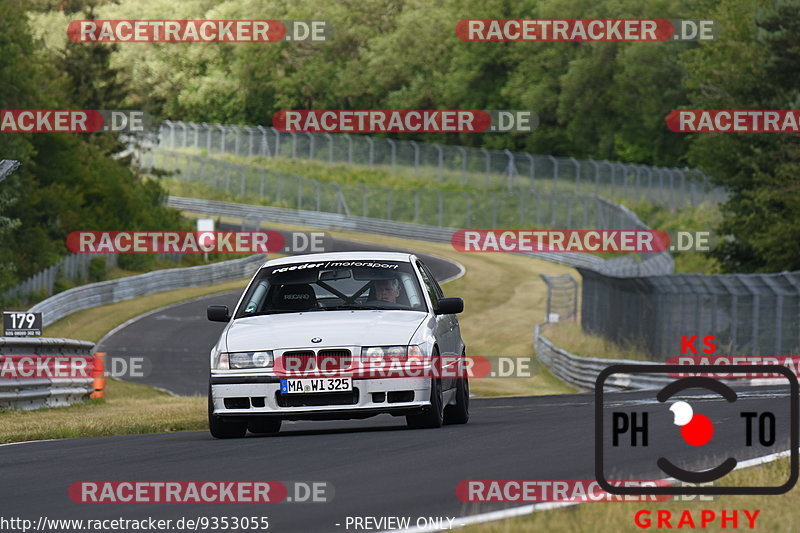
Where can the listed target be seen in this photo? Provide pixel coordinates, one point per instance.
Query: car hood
(335, 328)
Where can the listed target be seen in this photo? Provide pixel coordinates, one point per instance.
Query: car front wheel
(434, 416)
(459, 413)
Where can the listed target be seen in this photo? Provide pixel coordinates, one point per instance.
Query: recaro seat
(299, 297)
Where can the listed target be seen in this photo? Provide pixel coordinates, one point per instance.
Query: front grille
(317, 399)
(301, 360)
(334, 359)
(326, 360)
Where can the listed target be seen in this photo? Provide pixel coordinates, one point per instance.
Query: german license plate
(290, 386)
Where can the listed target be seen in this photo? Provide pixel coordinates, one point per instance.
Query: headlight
(246, 360)
(381, 352)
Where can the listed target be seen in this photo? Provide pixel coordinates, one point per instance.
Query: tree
(755, 64)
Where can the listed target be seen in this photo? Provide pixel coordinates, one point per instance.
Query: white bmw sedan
(337, 336)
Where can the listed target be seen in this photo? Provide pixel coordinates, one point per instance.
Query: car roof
(342, 256)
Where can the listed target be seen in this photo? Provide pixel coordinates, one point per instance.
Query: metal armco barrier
(35, 393)
(582, 372)
(118, 290)
(658, 263)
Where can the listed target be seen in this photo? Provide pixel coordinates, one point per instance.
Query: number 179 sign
(19, 324)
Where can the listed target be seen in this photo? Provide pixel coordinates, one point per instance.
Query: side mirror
(218, 313)
(450, 306)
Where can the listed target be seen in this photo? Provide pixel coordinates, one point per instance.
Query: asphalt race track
(376, 467)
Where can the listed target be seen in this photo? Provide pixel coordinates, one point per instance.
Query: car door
(446, 325)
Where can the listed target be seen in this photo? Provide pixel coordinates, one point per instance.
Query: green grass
(570, 336)
(129, 408)
(777, 513)
(704, 217)
(370, 191)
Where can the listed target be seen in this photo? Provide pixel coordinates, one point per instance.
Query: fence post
(236, 140)
(183, 126)
(577, 173)
(488, 161)
(555, 171)
(416, 157)
(294, 144)
(263, 146)
(171, 126)
(533, 169)
(596, 175)
(222, 138)
(249, 131)
(394, 155)
(196, 137)
(310, 145)
(463, 164)
(511, 168)
(349, 149)
(330, 148)
(370, 142)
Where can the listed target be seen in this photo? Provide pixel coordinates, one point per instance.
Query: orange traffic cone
(99, 375)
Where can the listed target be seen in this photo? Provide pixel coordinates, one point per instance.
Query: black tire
(434, 416)
(459, 413)
(264, 425)
(220, 427)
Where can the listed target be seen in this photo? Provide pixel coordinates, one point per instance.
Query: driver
(387, 290)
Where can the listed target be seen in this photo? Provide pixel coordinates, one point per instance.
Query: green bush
(61, 283)
(97, 269)
(137, 262)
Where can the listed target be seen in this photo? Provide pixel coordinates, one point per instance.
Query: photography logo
(695, 419)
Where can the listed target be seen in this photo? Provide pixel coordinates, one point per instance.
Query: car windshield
(333, 286)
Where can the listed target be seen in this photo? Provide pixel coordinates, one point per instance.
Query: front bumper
(261, 396)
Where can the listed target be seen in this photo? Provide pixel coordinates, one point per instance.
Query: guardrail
(117, 290)
(659, 263)
(73, 268)
(581, 371)
(35, 393)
